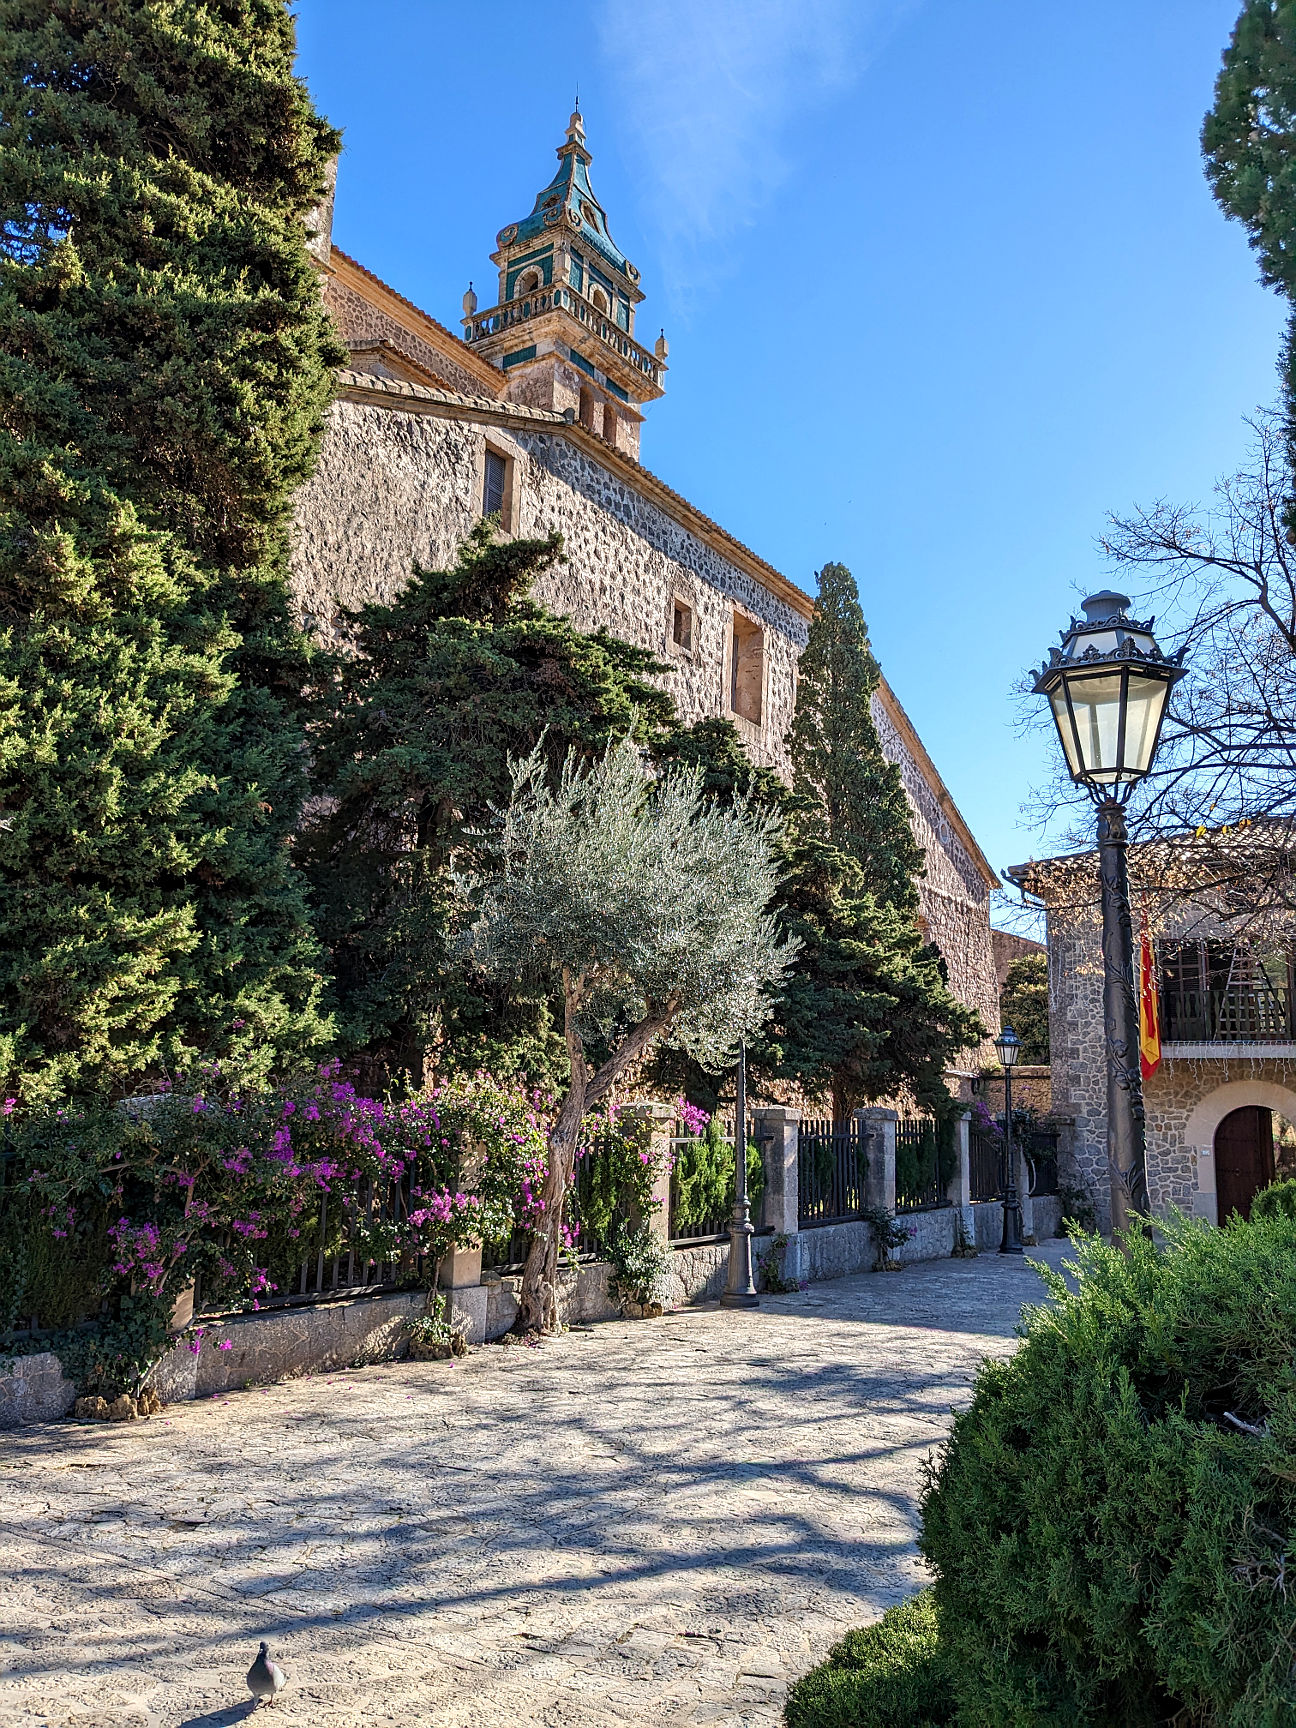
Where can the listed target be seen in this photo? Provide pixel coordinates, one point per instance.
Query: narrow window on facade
(587, 406)
(747, 677)
(496, 479)
(609, 422)
(682, 627)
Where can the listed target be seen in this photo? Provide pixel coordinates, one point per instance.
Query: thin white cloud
(712, 91)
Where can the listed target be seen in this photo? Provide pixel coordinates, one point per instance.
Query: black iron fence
(918, 1184)
(339, 1257)
(1041, 1149)
(701, 1200)
(831, 1167)
(985, 1153)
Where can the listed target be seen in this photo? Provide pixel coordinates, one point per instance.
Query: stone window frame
(508, 454)
(744, 623)
(680, 598)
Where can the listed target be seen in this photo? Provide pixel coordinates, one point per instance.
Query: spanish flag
(1149, 1008)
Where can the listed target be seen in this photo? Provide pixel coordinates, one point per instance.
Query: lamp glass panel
(1146, 703)
(1062, 720)
(1096, 703)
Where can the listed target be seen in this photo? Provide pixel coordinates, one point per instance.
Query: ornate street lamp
(740, 1285)
(1008, 1049)
(1108, 686)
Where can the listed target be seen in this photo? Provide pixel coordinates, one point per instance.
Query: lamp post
(740, 1285)
(1008, 1049)
(1108, 686)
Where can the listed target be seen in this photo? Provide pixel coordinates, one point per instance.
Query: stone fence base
(283, 1343)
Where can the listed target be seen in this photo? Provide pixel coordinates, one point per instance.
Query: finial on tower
(469, 302)
(661, 348)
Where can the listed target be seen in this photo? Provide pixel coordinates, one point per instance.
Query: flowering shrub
(239, 1187)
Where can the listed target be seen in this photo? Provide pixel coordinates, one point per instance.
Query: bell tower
(562, 328)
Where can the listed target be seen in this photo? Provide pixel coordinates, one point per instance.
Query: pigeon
(266, 1680)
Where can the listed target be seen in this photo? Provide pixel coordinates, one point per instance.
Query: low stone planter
(642, 1310)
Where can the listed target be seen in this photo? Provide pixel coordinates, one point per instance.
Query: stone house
(1221, 1105)
(534, 414)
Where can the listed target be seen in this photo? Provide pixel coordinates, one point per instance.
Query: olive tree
(645, 906)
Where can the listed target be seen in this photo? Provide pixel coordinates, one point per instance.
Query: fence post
(959, 1192)
(461, 1279)
(655, 1122)
(878, 1131)
(780, 1146)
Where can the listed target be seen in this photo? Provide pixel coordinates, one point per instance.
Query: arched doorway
(1244, 1159)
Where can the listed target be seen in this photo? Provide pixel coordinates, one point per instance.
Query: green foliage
(411, 748)
(1249, 142)
(615, 1178)
(165, 361)
(837, 761)
(1112, 1520)
(704, 1178)
(639, 1260)
(108, 1214)
(646, 902)
(770, 1273)
(865, 1009)
(1278, 1200)
(1023, 1005)
(888, 1232)
(1077, 1208)
(890, 1675)
(932, 1159)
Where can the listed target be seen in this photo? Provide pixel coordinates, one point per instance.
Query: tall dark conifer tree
(867, 1009)
(164, 365)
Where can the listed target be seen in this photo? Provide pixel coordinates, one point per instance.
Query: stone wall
(359, 321)
(953, 897)
(1008, 946)
(394, 489)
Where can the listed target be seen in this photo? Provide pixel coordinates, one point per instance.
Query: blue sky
(943, 283)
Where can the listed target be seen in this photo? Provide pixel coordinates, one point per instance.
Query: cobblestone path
(647, 1522)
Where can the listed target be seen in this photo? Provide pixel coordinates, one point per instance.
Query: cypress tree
(460, 671)
(867, 1010)
(164, 366)
(837, 763)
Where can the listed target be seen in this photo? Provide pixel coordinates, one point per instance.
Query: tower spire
(563, 326)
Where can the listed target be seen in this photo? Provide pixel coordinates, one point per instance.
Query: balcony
(562, 298)
(1219, 998)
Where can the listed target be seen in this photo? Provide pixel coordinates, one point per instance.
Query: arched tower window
(599, 301)
(527, 283)
(587, 406)
(609, 423)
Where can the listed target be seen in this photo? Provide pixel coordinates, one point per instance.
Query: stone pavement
(644, 1522)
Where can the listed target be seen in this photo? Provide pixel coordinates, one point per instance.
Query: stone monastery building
(535, 413)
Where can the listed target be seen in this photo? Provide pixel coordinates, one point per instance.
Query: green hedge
(890, 1675)
(1112, 1522)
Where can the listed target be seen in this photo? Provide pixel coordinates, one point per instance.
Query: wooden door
(1243, 1159)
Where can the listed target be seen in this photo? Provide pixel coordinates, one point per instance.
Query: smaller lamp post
(1008, 1049)
(1109, 686)
(740, 1285)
